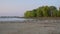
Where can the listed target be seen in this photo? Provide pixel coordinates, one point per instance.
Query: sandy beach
(29, 28)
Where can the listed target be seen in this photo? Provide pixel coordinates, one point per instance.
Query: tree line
(43, 11)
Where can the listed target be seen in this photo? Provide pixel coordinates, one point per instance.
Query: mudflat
(29, 28)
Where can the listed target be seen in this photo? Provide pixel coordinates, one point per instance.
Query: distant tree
(58, 14)
(55, 13)
(45, 11)
(34, 12)
(53, 10)
(28, 14)
(39, 12)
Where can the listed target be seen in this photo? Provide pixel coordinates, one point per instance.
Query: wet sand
(29, 28)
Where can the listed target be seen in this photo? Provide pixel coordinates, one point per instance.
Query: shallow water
(12, 19)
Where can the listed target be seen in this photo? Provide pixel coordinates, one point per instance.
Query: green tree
(58, 14)
(34, 12)
(39, 12)
(53, 10)
(55, 13)
(45, 11)
(28, 14)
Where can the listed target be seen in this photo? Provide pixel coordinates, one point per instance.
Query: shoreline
(29, 28)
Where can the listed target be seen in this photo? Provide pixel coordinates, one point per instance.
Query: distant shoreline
(30, 17)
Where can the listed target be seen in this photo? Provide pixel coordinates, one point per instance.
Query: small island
(43, 11)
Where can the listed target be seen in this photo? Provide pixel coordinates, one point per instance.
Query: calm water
(26, 20)
(13, 19)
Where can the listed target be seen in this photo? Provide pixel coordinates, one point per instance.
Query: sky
(19, 7)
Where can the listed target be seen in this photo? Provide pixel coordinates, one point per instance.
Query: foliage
(43, 11)
(39, 12)
(58, 13)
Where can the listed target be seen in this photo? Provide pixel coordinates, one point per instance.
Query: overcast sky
(18, 7)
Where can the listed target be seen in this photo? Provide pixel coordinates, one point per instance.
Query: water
(12, 19)
(26, 20)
